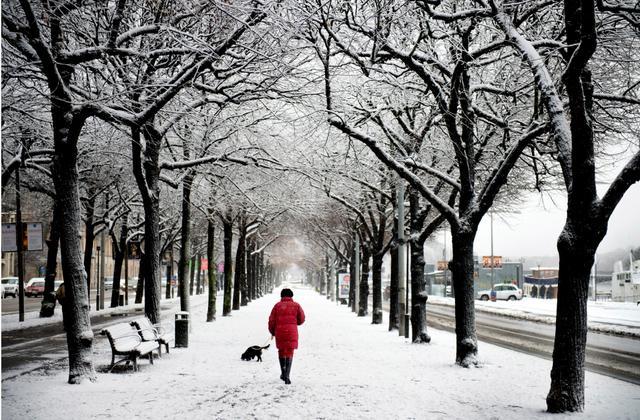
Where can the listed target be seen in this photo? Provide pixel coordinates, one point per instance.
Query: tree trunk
(153, 273)
(461, 267)
(118, 250)
(228, 271)
(211, 272)
(185, 242)
(199, 274)
(142, 272)
(49, 300)
(147, 177)
(418, 295)
(89, 237)
(169, 289)
(352, 281)
(418, 282)
(192, 274)
(322, 281)
(363, 299)
(393, 290)
(261, 275)
(577, 245)
(377, 287)
(240, 281)
(76, 311)
(254, 270)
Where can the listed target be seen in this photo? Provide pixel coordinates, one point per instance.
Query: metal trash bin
(182, 329)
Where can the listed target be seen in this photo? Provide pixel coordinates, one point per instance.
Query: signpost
(9, 237)
(31, 237)
(491, 262)
(344, 280)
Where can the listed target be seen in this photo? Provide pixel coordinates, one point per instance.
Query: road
(46, 344)
(10, 305)
(32, 304)
(610, 355)
(38, 347)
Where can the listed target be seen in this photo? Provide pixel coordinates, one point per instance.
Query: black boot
(288, 362)
(283, 367)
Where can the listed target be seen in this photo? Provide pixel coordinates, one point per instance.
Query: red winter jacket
(285, 317)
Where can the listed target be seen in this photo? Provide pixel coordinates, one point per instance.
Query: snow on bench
(152, 333)
(125, 341)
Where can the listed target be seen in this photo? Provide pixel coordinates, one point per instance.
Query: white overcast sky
(534, 231)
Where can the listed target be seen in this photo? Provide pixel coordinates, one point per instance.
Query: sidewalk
(345, 368)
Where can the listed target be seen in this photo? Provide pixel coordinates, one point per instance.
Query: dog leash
(268, 339)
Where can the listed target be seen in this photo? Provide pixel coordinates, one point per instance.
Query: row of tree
(300, 126)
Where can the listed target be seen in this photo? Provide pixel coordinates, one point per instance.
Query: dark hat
(286, 293)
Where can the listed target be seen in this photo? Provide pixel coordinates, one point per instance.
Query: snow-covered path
(345, 368)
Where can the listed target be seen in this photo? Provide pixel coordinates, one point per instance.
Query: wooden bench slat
(149, 333)
(125, 341)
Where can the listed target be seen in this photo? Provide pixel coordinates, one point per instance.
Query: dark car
(36, 289)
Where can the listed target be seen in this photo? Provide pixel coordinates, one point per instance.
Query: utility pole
(126, 273)
(595, 277)
(97, 279)
(19, 248)
(492, 264)
(446, 269)
(402, 280)
(357, 272)
(407, 315)
(102, 270)
(169, 290)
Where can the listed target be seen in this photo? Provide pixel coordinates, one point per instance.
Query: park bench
(152, 333)
(125, 341)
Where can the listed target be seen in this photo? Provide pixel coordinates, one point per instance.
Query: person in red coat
(285, 317)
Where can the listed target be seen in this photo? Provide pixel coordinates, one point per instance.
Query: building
(507, 272)
(625, 285)
(542, 283)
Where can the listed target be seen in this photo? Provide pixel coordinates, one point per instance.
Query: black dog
(254, 351)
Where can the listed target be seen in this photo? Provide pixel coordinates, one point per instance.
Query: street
(39, 346)
(10, 305)
(610, 355)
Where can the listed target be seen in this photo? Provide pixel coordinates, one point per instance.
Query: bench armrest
(159, 329)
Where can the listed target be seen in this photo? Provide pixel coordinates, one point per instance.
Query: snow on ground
(345, 368)
(611, 317)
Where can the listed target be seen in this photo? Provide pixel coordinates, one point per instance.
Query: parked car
(36, 289)
(33, 280)
(133, 284)
(10, 287)
(108, 283)
(502, 291)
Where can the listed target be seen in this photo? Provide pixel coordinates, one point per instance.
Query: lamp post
(98, 280)
(407, 316)
(356, 294)
(446, 268)
(402, 280)
(492, 264)
(19, 248)
(102, 270)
